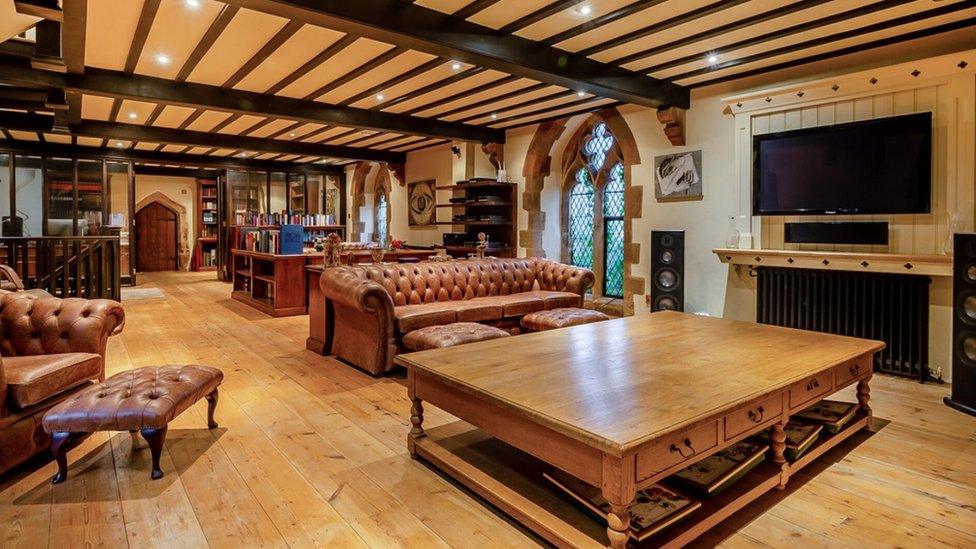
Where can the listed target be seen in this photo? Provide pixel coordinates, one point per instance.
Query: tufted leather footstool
(449, 335)
(143, 399)
(561, 318)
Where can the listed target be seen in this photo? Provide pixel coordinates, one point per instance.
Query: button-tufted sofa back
(31, 325)
(428, 282)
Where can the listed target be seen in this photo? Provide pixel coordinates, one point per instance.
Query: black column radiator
(893, 308)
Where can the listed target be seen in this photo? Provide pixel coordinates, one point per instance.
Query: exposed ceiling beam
(436, 33)
(201, 96)
(73, 31)
(601, 20)
(177, 159)
(169, 136)
(45, 9)
(473, 8)
(538, 15)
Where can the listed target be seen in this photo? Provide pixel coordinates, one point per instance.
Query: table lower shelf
(512, 481)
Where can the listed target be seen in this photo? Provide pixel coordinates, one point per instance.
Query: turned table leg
(618, 525)
(211, 408)
(417, 424)
(864, 395)
(778, 444)
(61, 443)
(155, 438)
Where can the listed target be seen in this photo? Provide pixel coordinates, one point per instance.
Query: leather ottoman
(449, 335)
(143, 399)
(561, 318)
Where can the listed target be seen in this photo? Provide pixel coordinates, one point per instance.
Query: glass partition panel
(90, 197)
(297, 195)
(61, 197)
(117, 221)
(28, 178)
(259, 191)
(331, 200)
(5, 182)
(279, 194)
(242, 202)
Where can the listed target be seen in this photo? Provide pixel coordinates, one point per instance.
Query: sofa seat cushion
(414, 317)
(518, 304)
(561, 318)
(479, 309)
(557, 300)
(34, 379)
(449, 335)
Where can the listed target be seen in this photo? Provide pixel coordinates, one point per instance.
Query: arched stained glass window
(613, 230)
(380, 218)
(581, 201)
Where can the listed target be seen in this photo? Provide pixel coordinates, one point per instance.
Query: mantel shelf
(928, 265)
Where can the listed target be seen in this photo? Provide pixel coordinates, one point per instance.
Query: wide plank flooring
(311, 452)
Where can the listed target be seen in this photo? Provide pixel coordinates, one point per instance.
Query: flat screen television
(880, 166)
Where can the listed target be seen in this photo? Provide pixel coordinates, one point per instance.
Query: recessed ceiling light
(455, 65)
(494, 116)
(162, 59)
(584, 9)
(119, 144)
(242, 154)
(713, 59)
(193, 3)
(292, 134)
(133, 115)
(580, 93)
(379, 97)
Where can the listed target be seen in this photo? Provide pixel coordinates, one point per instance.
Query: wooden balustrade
(66, 266)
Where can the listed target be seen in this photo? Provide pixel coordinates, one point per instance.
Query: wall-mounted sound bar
(840, 232)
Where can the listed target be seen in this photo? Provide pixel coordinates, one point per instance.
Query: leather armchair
(50, 348)
(368, 309)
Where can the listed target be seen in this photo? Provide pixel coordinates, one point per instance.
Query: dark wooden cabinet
(271, 283)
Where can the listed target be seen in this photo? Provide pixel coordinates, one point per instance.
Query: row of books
(659, 506)
(286, 239)
(210, 218)
(208, 258)
(310, 220)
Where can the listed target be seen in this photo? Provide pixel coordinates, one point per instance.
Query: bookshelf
(208, 216)
(271, 283)
(480, 205)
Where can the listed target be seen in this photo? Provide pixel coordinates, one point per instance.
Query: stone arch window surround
(382, 182)
(537, 167)
(592, 165)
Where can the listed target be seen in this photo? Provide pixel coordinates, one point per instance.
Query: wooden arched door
(156, 238)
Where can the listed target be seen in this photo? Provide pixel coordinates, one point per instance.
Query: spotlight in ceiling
(119, 144)
(712, 59)
(292, 134)
(162, 59)
(133, 115)
(380, 97)
(584, 9)
(494, 116)
(580, 93)
(456, 66)
(193, 4)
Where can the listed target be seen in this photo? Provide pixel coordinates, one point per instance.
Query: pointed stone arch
(183, 240)
(383, 181)
(537, 167)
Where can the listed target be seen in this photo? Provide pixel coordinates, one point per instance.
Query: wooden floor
(311, 452)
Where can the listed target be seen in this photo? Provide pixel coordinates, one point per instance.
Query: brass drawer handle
(674, 448)
(812, 384)
(757, 414)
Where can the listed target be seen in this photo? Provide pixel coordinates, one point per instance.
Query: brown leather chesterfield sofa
(50, 348)
(370, 308)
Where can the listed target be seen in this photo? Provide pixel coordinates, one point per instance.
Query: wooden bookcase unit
(487, 206)
(271, 283)
(205, 250)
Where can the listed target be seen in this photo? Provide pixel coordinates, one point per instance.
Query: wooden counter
(271, 283)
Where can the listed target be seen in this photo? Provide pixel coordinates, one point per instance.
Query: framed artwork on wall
(420, 203)
(678, 176)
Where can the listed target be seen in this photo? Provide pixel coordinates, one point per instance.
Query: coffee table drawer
(765, 412)
(811, 388)
(677, 448)
(845, 373)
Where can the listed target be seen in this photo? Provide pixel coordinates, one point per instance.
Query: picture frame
(678, 176)
(421, 203)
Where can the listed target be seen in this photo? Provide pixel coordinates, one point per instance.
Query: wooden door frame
(176, 231)
(182, 226)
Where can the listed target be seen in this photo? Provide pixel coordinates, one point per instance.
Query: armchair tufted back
(31, 325)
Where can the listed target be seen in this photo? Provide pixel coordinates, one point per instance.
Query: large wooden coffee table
(621, 405)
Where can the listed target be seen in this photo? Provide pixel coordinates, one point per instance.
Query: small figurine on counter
(333, 250)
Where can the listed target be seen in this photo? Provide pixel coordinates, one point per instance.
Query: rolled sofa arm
(35, 325)
(346, 287)
(359, 319)
(559, 277)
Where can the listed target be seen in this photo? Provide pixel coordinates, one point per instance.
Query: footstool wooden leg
(155, 438)
(211, 408)
(61, 443)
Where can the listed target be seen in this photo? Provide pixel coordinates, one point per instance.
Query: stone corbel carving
(495, 152)
(673, 120)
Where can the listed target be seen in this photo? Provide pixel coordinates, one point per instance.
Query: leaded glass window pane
(581, 203)
(613, 230)
(381, 215)
(597, 146)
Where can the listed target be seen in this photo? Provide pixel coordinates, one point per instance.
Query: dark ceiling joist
(601, 20)
(168, 136)
(155, 157)
(73, 32)
(201, 96)
(466, 73)
(831, 38)
(538, 15)
(15, 47)
(436, 33)
(45, 9)
(473, 8)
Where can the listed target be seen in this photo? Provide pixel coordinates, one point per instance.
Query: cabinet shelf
(915, 264)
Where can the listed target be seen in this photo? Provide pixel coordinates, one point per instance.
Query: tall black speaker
(963, 396)
(667, 270)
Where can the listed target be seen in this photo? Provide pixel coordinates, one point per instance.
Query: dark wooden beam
(15, 47)
(661, 26)
(146, 18)
(831, 38)
(45, 9)
(73, 31)
(266, 50)
(209, 38)
(201, 96)
(739, 24)
(561, 116)
(168, 136)
(380, 59)
(403, 77)
(177, 159)
(473, 8)
(142, 169)
(538, 15)
(601, 20)
(309, 65)
(922, 33)
(47, 50)
(466, 73)
(494, 99)
(436, 33)
(467, 93)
